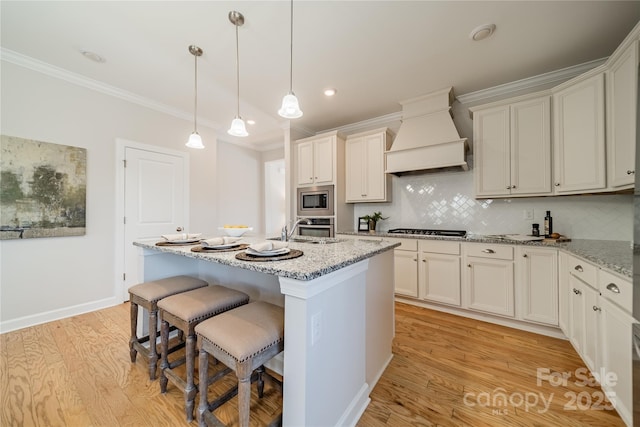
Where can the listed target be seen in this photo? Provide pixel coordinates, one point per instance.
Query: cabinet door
(616, 342)
(622, 91)
(374, 176)
(491, 152)
(579, 150)
(305, 163)
(323, 160)
(592, 344)
(354, 173)
(563, 293)
(406, 272)
(489, 285)
(531, 147)
(439, 278)
(538, 281)
(577, 309)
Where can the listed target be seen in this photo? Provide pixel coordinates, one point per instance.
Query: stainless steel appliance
(429, 232)
(315, 201)
(319, 227)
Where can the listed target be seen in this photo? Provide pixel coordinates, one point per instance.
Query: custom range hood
(427, 140)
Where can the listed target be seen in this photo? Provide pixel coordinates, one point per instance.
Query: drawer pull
(578, 268)
(577, 291)
(613, 288)
(596, 308)
(488, 251)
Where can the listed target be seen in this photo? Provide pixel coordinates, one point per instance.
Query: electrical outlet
(527, 214)
(316, 327)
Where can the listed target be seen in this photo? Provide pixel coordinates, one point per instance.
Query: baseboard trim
(61, 313)
(356, 408)
(378, 375)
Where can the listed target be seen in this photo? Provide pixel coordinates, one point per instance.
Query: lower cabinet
(537, 276)
(406, 267)
(563, 293)
(439, 271)
(488, 279)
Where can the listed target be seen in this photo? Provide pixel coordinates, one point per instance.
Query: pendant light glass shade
(195, 141)
(290, 107)
(238, 128)
(237, 125)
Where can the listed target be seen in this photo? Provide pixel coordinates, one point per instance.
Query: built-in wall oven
(315, 201)
(319, 227)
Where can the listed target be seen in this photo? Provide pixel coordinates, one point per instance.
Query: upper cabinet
(365, 178)
(512, 148)
(316, 160)
(622, 90)
(579, 144)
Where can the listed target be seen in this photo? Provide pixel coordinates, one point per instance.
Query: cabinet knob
(613, 288)
(577, 291)
(630, 172)
(315, 177)
(488, 251)
(424, 260)
(557, 184)
(508, 187)
(525, 256)
(415, 259)
(469, 265)
(596, 308)
(578, 268)
(179, 229)
(513, 186)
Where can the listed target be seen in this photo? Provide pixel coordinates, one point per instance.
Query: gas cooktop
(428, 232)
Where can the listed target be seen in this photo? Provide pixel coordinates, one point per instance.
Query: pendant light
(290, 108)
(237, 125)
(195, 141)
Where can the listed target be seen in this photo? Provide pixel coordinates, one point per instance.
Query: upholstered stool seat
(184, 311)
(147, 295)
(243, 339)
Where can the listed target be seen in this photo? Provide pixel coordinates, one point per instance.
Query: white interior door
(155, 202)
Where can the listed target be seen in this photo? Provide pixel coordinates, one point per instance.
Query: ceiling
(375, 53)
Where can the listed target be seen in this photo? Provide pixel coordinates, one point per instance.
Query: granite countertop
(613, 255)
(318, 259)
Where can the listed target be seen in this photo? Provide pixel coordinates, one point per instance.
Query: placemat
(215, 251)
(293, 253)
(177, 244)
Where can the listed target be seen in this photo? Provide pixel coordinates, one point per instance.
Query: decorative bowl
(235, 231)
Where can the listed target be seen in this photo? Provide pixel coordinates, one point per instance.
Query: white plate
(228, 245)
(181, 241)
(275, 252)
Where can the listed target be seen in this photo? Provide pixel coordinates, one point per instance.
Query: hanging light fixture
(195, 141)
(290, 108)
(237, 125)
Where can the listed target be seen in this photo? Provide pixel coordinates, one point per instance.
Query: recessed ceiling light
(251, 122)
(92, 56)
(330, 92)
(482, 32)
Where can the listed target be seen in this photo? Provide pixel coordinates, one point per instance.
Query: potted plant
(373, 220)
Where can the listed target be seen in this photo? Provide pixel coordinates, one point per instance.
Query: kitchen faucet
(284, 236)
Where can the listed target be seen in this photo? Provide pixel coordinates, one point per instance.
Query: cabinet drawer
(490, 251)
(616, 290)
(439, 247)
(406, 244)
(587, 272)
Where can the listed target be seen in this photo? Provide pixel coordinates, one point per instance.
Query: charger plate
(214, 250)
(293, 253)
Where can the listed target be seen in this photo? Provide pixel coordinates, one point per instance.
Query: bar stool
(243, 339)
(184, 311)
(147, 295)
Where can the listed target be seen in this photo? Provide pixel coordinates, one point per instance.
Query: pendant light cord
(195, 102)
(291, 52)
(237, 71)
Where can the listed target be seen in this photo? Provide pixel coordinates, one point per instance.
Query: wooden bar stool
(147, 295)
(184, 311)
(243, 339)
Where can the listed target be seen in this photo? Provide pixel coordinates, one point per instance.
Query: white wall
(41, 279)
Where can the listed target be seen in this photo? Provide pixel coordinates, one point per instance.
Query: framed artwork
(363, 224)
(42, 189)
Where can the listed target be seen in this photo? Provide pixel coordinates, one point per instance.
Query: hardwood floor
(446, 371)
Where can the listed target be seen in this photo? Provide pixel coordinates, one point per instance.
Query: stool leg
(153, 335)
(134, 331)
(203, 369)
(244, 400)
(164, 358)
(260, 381)
(190, 389)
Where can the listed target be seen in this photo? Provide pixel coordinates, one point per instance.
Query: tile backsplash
(444, 200)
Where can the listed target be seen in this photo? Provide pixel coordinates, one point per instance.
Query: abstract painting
(43, 189)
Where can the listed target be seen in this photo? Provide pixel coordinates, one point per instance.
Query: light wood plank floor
(76, 372)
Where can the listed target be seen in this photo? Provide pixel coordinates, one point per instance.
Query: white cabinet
(365, 178)
(439, 271)
(488, 278)
(406, 267)
(563, 293)
(512, 148)
(537, 273)
(579, 132)
(622, 91)
(315, 161)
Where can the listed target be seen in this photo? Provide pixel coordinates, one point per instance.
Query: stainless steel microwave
(315, 201)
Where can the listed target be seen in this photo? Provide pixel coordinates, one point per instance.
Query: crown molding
(36, 65)
(530, 83)
(376, 122)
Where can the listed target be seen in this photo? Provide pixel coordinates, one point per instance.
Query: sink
(312, 240)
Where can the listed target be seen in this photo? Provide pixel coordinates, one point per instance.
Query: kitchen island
(338, 302)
